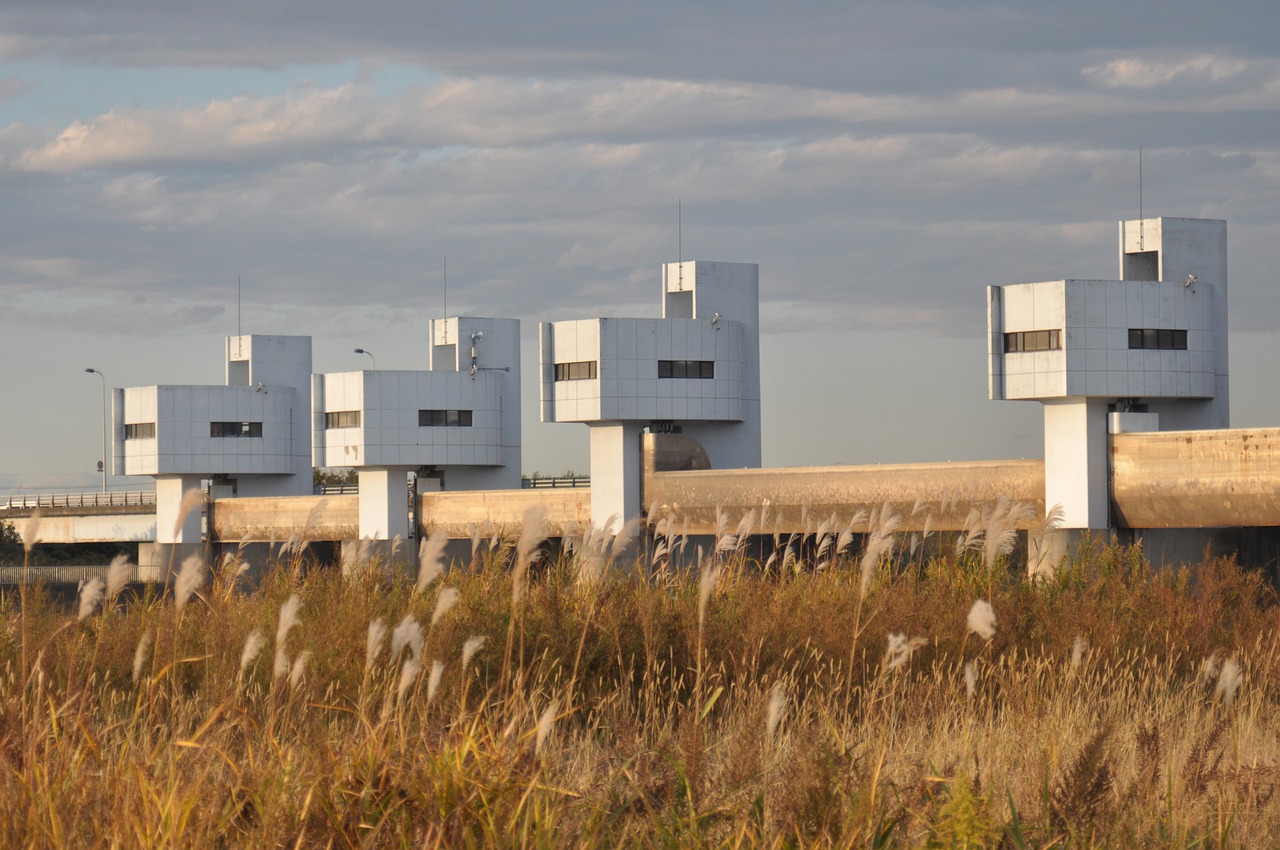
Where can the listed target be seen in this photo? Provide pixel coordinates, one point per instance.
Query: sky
(883, 162)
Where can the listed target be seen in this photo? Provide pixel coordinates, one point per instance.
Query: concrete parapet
(279, 518)
(459, 513)
(799, 498)
(1196, 479)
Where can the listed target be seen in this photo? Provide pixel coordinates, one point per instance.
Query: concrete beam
(279, 517)
(458, 513)
(800, 498)
(1196, 479)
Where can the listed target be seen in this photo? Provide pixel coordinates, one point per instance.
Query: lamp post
(104, 425)
(371, 357)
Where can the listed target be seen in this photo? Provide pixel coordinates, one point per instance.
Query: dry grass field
(848, 693)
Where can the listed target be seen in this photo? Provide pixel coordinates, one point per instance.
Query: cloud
(1139, 73)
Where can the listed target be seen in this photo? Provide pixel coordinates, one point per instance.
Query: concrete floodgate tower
(684, 388)
(250, 437)
(1147, 352)
(457, 424)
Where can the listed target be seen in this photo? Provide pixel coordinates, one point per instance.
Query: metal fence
(539, 483)
(110, 499)
(13, 575)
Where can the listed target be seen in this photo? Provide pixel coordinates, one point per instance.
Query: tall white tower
(1146, 352)
(457, 424)
(251, 435)
(695, 372)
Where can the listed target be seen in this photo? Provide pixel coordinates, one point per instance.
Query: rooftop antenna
(1142, 225)
(237, 303)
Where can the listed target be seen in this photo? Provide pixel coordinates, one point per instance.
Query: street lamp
(371, 357)
(103, 464)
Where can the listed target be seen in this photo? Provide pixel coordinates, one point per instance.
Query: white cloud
(1139, 72)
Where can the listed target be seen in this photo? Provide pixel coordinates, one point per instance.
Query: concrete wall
(1094, 317)
(389, 434)
(799, 499)
(460, 514)
(182, 416)
(105, 525)
(1197, 479)
(627, 386)
(276, 519)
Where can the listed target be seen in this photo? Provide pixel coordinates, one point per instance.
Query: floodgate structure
(1132, 375)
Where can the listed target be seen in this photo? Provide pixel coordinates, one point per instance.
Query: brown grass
(645, 708)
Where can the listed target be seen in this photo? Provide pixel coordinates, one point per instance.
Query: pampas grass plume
(288, 619)
(90, 596)
(140, 656)
(299, 668)
(408, 673)
(545, 722)
(469, 649)
(190, 501)
(118, 574)
(1209, 669)
(448, 598)
(706, 583)
(900, 649)
(430, 560)
(190, 578)
(1078, 648)
(433, 679)
(407, 634)
(252, 646)
(970, 679)
(777, 701)
(373, 643)
(31, 531)
(1229, 680)
(982, 619)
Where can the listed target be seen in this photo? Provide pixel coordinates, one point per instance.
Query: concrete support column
(170, 527)
(1075, 461)
(384, 503)
(178, 536)
(615, 473)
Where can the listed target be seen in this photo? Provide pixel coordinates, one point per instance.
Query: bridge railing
(70, 574)
(110, 499)
(540, 482)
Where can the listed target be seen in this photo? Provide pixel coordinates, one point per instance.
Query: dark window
(1158, 339)
(583, 370)
(444, 418)
(1032, 341)
(342, 419)
(235, 429)
(140, 431)
(686, 368)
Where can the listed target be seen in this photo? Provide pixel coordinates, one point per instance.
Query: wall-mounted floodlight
(475, 366)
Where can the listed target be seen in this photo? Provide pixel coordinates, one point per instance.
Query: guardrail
(67, 574)
(110, 499)
(337, 489)
(539, 483)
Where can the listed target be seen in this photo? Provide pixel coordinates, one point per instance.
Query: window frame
(445, 418)
(687, 369)
(577, 370)
(1158, 339)
(1029, 342)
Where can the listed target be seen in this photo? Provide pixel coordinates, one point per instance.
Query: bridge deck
(1191, 479)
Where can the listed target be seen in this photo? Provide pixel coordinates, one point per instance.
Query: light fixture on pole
(371, 357)
(102, 464)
